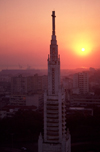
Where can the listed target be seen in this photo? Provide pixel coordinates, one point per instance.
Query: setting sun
(82, 45)
(83, 49)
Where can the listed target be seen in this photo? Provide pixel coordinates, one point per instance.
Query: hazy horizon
(26, 29)
(32, 68)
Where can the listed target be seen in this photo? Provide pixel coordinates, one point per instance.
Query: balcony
(53, 128)
(52, 111)
(52, 134)
(52, 137)
(52, 107)
(52, 124)
(52, 116)
(52, 104)
(52, 120)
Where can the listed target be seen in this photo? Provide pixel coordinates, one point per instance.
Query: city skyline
(26, 32)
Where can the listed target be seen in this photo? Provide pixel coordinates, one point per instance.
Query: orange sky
(26, 28)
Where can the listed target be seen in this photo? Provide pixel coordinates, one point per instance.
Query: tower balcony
(52, 120)
(52, 116)
(52, 137)
(52, 124)
(52, 102)
(52, 128)
(53, 134)
(52, 107)
(52, 111)
(52, 99)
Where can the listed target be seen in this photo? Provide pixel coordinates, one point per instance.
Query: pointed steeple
(53, 22)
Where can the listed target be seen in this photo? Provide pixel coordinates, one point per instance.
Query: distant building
(80, 110)
(9, 111)
(67, 83)
(27, 100)
(5, 84)
(18, 100)
(19, 85)
(30, 85)
(80, 83)
(80, 100)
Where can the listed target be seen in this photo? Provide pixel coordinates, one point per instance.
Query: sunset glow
(25, 32)
(83, 49)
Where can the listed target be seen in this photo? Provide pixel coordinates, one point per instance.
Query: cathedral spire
(53, 22)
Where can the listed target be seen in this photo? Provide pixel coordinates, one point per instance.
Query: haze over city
(25, 33)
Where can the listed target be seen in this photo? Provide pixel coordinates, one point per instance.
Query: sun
(82, 45)
(83, 49)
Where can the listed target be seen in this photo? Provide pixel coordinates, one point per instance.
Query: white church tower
(55, 138)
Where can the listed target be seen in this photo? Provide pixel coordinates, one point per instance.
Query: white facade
(55, 137)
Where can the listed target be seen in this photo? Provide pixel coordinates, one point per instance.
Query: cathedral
(55, 138)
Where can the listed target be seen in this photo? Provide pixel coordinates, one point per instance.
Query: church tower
(55, 138)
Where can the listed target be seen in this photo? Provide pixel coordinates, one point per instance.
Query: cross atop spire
(53, 22)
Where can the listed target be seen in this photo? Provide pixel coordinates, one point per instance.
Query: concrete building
(55, 139)
(83, 101)
(10, 110)
(19, 85)
(80, 83)
(24, 100)
(18, 100)
(80, 110)
(67, 83)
